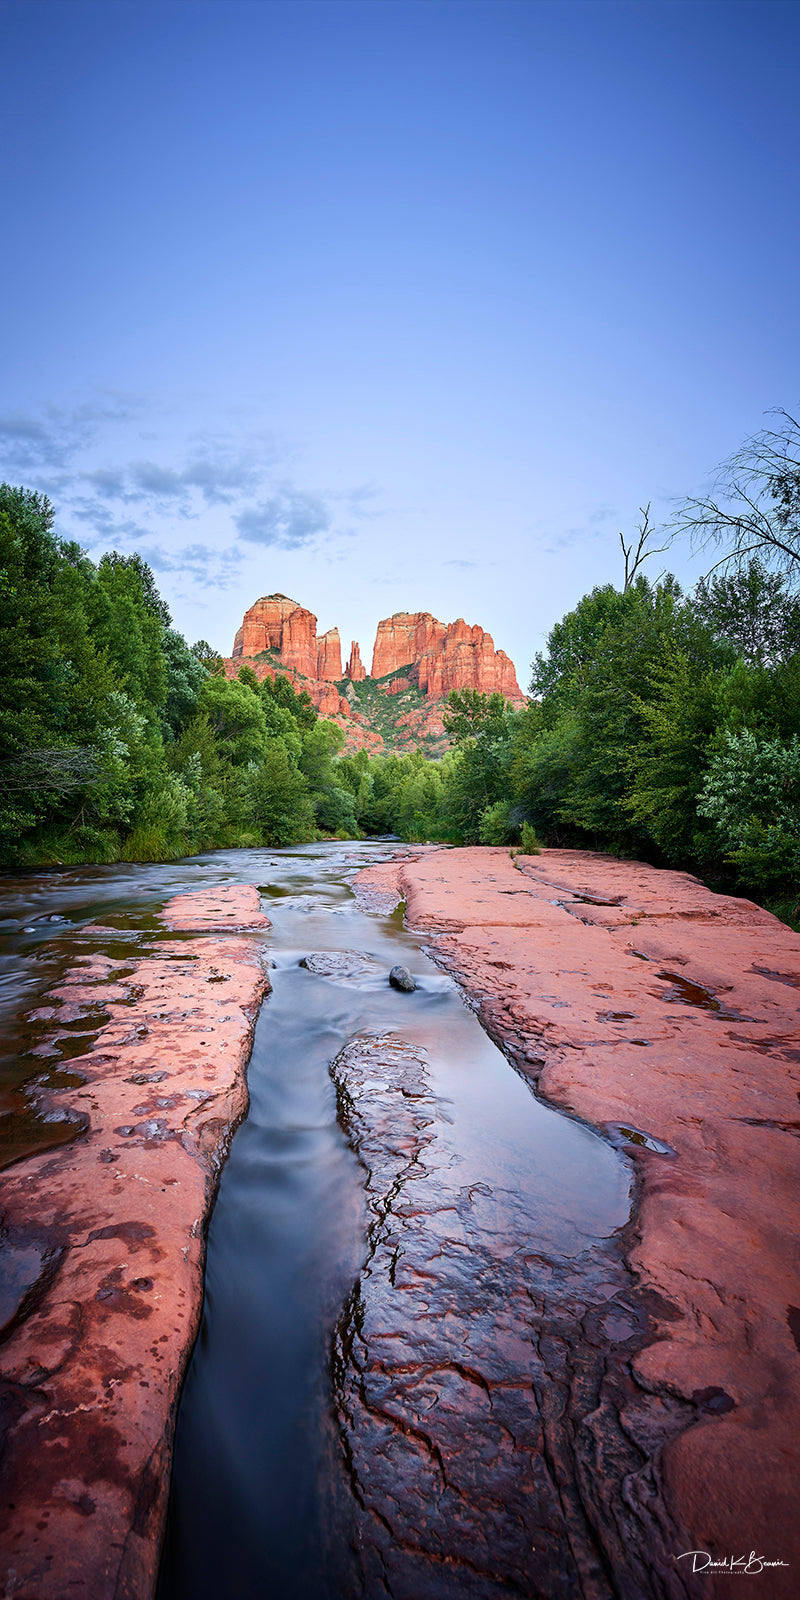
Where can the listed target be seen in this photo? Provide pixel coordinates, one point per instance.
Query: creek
(398, 1210)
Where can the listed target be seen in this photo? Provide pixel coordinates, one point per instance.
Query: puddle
(683, 992)
(623, 1136)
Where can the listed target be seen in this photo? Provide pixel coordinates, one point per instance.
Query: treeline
(661, 724)
(118, 740)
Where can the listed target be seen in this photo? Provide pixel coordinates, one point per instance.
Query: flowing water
(268, 1495)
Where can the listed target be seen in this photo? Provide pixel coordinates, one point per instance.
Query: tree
(282, 807)
(752, 611)
(752, 793)
(236, 719)
(208, 657)
(753, 507)
(151, 598)
(635, 558)
(185, 678)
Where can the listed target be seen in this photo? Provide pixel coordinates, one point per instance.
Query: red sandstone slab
(104, 1246)
(235, 906)
(637, 997)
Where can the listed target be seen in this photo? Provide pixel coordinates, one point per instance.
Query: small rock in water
(401, 978)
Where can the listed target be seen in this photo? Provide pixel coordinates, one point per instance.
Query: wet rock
(402, 978)
(594, 959)
(477, 1382)
(341, 965)
(235, 906)
(102, 1248)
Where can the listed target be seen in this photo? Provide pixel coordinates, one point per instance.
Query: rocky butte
(416, 662)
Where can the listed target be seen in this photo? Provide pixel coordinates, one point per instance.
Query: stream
(405, 1255)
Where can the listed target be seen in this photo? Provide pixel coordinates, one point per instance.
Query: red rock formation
(467, 660)
(356, 671)
(665, 1015)
(443, 658)
(436, 659)
(328, 701)
(329, 656)
(402, 639)
(106, 1237)
(277, 623)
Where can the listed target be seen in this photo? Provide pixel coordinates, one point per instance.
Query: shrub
(495, 824)
(752, 793)
(529, 844)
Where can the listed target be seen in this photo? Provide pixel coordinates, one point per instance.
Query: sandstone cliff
(422, 658)
(329, 655)
(278, 623)
(443, 657)
(403, 639)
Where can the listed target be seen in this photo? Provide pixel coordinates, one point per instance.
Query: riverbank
(104, 1238)
(665, 1015)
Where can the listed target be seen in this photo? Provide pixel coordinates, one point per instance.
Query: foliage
(752, 793)
(119, 741)
(529, 843)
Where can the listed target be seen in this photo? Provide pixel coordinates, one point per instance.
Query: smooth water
(256, 1506)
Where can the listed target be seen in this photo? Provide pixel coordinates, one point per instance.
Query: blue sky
(391, 304)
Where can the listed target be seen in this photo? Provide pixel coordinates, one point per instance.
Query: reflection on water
(254, 1510)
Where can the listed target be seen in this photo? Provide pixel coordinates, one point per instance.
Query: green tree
(281, 804)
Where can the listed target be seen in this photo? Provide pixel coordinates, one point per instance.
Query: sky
(391, 305)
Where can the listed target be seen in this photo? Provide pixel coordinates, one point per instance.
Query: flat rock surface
(668, 1016)
(235, 905)
(102, 1249)
(480, 1376)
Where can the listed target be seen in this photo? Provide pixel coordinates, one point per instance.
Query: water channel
(366, 1408)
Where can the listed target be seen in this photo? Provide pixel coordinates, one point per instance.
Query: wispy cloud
(51, 440)
(200, 562)
(570, 537)
(290, 518)
(108, 493)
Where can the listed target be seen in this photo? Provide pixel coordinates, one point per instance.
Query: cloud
(456, 563)
(569, 537)
(52, 439)
(288, 519)
(359, 500)
(116, 480)
(201, 562)
(105, 523)
(107, 482)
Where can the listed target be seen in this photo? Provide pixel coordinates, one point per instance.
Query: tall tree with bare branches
(753, 506)
(636, 555)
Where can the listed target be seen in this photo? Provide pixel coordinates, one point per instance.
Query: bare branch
(754, 503)
(54, 769)
(635, 558)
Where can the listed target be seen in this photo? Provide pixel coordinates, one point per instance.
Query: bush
(752, 793)
(529, 845)
(495, 824)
